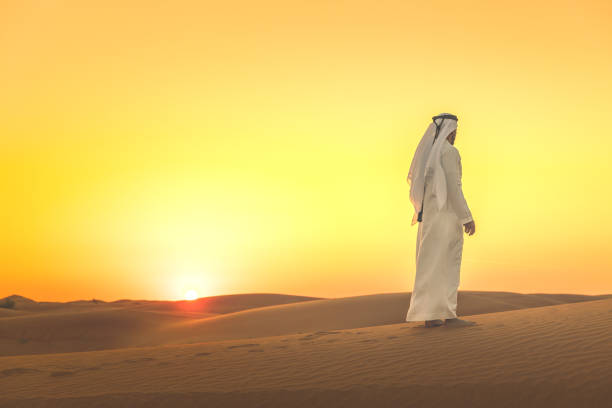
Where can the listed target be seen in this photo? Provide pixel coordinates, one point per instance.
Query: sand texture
(530, 355)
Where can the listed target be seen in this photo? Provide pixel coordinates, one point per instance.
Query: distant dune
(550, 356)
(211, 304)
(55, 327)
(49, 327)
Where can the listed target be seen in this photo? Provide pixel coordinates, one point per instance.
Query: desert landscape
(262, 350)
(272, 204)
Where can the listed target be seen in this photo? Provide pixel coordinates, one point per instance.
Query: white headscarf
(427, 160)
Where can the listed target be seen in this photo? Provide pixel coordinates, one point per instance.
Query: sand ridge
(87, 326)
(48, 327)
(546, 356)
(344, 313)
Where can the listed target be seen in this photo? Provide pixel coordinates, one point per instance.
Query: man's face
(451, 137)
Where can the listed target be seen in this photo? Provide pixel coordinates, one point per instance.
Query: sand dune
(87, 326)
(219, 304)
(343, 313)
(80, 330)
(552, 356)
(207, 305)
(10, 312)
(53, 327)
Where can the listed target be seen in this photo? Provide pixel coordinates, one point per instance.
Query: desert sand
(263, 350)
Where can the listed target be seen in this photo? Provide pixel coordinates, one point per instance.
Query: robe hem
(435, 317)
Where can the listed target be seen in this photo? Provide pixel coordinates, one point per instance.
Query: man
(441, 210)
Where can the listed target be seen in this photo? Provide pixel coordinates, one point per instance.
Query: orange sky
(239, 146)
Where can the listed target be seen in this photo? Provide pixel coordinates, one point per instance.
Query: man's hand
(470, 228)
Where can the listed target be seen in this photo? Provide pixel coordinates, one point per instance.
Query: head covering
(427, 160)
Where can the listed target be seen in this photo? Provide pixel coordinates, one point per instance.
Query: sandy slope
(209, 305)
(50, 327)
(81, 330)
(555, 356)
(87, 326)
(342, 313)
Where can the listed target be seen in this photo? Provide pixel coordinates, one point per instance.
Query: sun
(191, 295)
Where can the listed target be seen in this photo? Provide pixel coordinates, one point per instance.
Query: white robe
(440, 245)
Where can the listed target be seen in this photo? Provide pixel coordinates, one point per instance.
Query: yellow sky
(240, 146)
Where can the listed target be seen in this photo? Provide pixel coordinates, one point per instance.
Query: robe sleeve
(451, 163)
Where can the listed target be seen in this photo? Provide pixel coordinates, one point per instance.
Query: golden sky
(149, 148)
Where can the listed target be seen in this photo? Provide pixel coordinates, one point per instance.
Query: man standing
(441, 210)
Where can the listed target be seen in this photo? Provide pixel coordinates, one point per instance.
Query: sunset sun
(191, 295)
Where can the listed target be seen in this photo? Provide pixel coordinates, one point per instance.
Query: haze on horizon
(156, 148)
